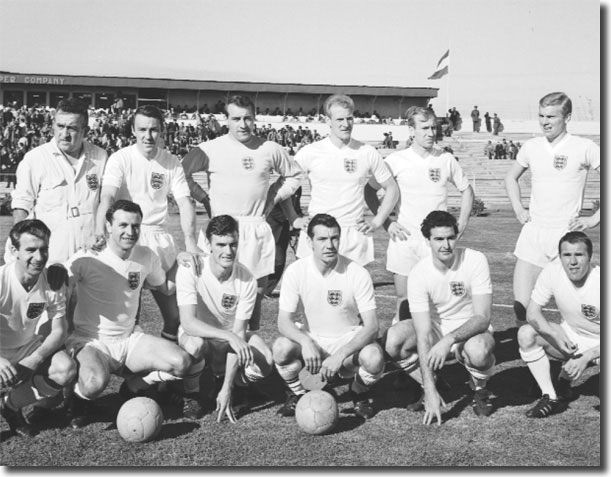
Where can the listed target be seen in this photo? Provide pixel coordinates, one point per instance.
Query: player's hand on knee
(331, 366)
(242, 351)
(574, 367)
(8, 373)
(397, 231)
(57, 276)
(438, 354)
(312, 357)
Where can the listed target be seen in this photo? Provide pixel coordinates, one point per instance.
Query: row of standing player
(233, 186)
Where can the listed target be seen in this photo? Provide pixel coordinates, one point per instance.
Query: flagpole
(448, 81)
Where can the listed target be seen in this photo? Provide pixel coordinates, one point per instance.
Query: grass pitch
(394, 437)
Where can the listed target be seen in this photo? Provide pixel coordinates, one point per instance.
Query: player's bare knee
(283, 350)
(479, 350)
(91, 384)
(195, 346)
(63, 369)
(527, 336)
(180, 362)
(371, 358)
(396, 339)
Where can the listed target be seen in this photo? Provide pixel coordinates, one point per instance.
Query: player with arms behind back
(559, 164)
(574, 283)
(456, 281)
(338, 336)
(214, 311)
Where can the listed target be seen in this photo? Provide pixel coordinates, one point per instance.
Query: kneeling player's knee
(283, 350)
(91, 384)
(520, 310)
(371, 358)
(179, 362)
(527, 337)
(393, 341)
(63, 369)
(479, 351)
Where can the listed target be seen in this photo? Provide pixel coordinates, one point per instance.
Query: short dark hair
(222, 225)
(577, 237)
(557, 99)
(150, 111)
(34, 227)
(242, 102)
(438, 218)
(74, 106)
(126, 205)
(323, 219)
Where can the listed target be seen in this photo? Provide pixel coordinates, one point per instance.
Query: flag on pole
(443, 66)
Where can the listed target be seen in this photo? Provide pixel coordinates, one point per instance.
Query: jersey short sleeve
(114, 173)
(481, 283)
(543, 291)
(380, 171)
(417, 293)
(186, 286)
(457, 175)
(248, 297)
(363, 290)
(179, 186)
(289, 290)
(593, 155)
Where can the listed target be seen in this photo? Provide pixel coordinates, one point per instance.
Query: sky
(504, 54)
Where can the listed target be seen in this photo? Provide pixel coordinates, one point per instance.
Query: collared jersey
(331, 303)
(219, 304)
(239, 174)
(579, 307)
(449, 293)
(338, 176)
(423, 183)
(108, 289)
(558, 175)
(20, 310)
(147, 182)
(49, 189)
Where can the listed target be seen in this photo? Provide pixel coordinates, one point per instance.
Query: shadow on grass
(347, 423)
(176, 429)
(506, 348)
(590, 387)
(513, 387)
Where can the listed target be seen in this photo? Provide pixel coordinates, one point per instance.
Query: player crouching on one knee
(340, 323)
(34, 368)
(574, 283)
(456, 281)
(106, 338)
(215, 306)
